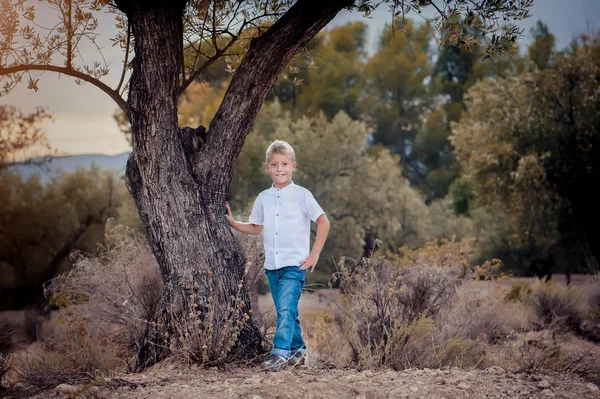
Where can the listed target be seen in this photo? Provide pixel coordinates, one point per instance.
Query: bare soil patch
(306, 382)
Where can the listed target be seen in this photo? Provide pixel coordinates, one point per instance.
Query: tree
(41, 225)
(397, 94)
(531, 143)
(180, 177)
(541, 51)
(455, 71)
(327, 74)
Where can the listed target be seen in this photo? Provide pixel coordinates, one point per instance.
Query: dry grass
(119, 292)
(416, 311)
(558, 308)
(6, 351)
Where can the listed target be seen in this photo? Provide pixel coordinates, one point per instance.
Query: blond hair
(280, 147)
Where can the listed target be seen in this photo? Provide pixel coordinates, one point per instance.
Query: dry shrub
(415, 310)
(6, 350)
(590, 327)
(254, 276)
(327, 347)
(479, 314)
(518, 292)
(594, 304)
(548, 350)
(389, 310)
(555, 307)
(119, 293)
(72, 356)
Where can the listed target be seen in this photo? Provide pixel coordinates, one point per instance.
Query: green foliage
(41, 225)
(396, 93)
(530, 144)
(455, 71)
(541, 51)
(328, 76)
(462, 196)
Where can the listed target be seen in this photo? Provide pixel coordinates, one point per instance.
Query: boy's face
(281, 167)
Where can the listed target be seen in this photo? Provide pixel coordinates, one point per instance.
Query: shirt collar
(289, 186)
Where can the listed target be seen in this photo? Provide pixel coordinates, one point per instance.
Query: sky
(83, 115)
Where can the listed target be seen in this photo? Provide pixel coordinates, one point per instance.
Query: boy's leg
(290, 283)
(298, 346)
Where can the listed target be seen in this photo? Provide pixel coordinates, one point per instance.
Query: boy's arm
(248, 228)
(322, 231)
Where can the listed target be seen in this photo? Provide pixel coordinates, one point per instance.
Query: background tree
(41, 225)
(180, 177)
(530, 143)
(541, 50)
(327, 74)
(455, 71)
(398, 96)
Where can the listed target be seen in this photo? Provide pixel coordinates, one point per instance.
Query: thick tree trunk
(183, 215)
(179, 178)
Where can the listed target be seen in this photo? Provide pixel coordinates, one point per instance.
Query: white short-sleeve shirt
(285, 215)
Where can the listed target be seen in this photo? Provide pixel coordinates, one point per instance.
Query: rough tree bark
(180, 177)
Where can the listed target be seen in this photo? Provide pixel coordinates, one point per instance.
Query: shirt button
(278, 196)
(277, 215)
(276, 233)
(276, 253)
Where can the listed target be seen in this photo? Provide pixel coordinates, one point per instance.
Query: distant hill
(71, 163)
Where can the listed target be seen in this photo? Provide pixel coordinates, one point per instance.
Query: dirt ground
(305, 382)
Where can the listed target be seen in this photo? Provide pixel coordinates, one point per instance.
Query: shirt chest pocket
(292, 211)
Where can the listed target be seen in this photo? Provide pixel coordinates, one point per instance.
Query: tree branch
(118, 89)
(265, 60)
(208, 63)
(73, 73)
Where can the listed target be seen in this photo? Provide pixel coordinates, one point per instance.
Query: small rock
(544, 384)
(496, 370)
(367, 373)
(256, 397)
(548, 393)
(464, 385)
(592, 387)
(66, 388)
(253, 381)
(414, 389)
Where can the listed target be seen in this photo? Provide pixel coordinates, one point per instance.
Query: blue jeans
(286, 286)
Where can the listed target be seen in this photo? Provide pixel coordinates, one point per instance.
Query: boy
(284, 212)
